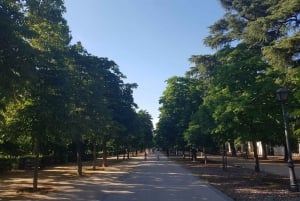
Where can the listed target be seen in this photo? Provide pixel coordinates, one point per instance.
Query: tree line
(229, 96)
(56, 99)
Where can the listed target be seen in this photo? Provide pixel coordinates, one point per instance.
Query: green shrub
(5, 164)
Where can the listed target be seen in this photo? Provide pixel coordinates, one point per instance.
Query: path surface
(151, 180)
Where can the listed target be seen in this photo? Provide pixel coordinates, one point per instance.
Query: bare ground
(243, 184)
(17, 184)
(239, 183)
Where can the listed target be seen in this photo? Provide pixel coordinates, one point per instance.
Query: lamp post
(282, 95)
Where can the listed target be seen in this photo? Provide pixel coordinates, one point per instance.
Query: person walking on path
(157, 154)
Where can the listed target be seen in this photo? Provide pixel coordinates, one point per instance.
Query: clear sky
(150, 40)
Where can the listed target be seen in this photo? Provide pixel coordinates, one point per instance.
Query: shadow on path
(163, 180)
(150, 180)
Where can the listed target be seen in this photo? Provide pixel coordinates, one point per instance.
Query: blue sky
(150, 40)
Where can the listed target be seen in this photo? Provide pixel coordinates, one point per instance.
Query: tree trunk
(79, 161)
(264, 151)
(224, 157)
(94, 155)
(256, 167)
(246, 151)
(36, 165)
(104, 161)
(285, 153)
(232, 147)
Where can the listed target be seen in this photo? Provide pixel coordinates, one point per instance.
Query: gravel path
(164, 180)
(176, 179)
(151, 180)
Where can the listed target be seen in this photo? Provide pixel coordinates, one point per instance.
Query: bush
(5, 164)
(53, 160)
(25, 162)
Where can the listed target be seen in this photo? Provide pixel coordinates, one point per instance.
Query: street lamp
(282, 95)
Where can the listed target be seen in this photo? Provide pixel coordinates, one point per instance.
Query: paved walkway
(151, 180)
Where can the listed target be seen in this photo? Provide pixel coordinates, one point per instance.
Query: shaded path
(164, 180)
(150, 180)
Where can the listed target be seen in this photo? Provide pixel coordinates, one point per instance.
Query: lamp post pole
(282, 97)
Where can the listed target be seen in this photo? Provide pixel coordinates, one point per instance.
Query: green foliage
(16, 67)
(238, 84)
(54, 93)
(237, 88)
(198, 134)
(179, 101)
(272, 26)
(145, 129)
(5, 164)
(242, 95)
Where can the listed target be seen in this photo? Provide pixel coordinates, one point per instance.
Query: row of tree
(55, 96)
(229, 96)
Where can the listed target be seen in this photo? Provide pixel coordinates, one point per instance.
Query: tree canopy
(55, 96)
(257, 51)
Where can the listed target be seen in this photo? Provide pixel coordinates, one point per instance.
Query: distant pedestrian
(157, 154)
(194, 154)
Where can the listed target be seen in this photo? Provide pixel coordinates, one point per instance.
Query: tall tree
(272, 26)
(16, 66)
(145, 129)
(50, 41)
(240, 96)
(198, 133)
(179, 101)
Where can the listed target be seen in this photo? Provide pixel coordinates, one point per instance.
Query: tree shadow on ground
(241, 183)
